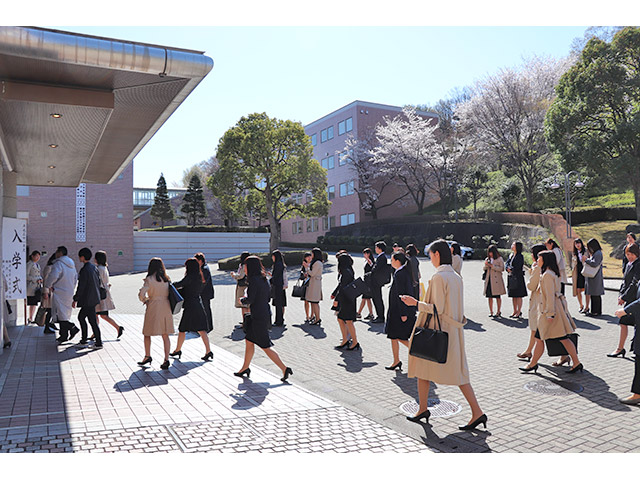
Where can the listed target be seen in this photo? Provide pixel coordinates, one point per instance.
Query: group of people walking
(59, 288)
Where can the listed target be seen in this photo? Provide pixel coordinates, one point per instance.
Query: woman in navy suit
(277, 286)
(347, 311)
(628, 294)
(257, 324)
(400, 317)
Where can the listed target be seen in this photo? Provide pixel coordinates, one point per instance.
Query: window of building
(347, 219)
(44, 214)
(120, 215)
(296, 198)
(347, 188)
(349, 124)
(331, 192)
(330, 133)
(22, 215)
(332, 222)
(22, 190)
(323, 135)
(309, 197)
(312, 225)
(341, 128)
(328, 162)
(297, 227)
(314, 139)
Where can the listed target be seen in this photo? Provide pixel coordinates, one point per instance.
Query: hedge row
(596, 214)
(291, 258)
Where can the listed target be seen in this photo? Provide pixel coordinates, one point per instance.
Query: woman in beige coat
(158, 319)
(534, 300)
(554, 321)
(493, 282)
(313, 295)
(445, 292)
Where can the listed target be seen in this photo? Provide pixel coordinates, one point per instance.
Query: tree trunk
(274, 238)
(636, 195)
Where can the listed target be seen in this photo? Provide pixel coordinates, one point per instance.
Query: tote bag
(175, 299)
(588, 271)
(430, 343)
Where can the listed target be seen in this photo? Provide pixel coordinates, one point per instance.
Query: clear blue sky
(303, 73)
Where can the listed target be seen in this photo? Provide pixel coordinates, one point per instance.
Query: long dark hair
(317, 255)
(193, 269)
(575, 250)
(493, 250)
(593, 245)
(254, 267)
(156, 268)
(344, 261)
(549, 262)
(455, 249)
(411, 250)
(101, 258)
(552, 242)
(536, 249)
(442, 247)
(279, 258)
(243, 257)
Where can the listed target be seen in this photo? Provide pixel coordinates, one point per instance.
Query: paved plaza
(67, 398)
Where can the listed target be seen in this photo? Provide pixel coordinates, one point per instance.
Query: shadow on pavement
(475, 326)
(375, 327)
(315, 331)
(353, 361)
(148, 377)
(585, 325)
(474, 441)
(409, 386)
(253, 396)
(513, 322)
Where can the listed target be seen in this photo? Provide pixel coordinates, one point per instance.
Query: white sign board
(14, 257)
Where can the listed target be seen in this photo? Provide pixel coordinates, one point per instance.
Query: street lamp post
(567, 195)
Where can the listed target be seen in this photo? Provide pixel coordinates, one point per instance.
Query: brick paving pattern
(76, 399)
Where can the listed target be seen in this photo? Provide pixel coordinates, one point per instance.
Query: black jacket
(629, 287)
(88, 291)
(258, 294)
(277, 275)
(207, 291)
(380, 270)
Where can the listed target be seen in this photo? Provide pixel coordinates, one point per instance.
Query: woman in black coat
(400, 317)
(194, 317)
(516, 287)
(277, 286)
(347, 307)
(207, 292)
(256, 325)
(628, 294)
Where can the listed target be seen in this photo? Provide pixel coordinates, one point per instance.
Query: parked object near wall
(175, 247)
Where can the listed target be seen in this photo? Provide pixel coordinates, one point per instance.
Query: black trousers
(596, 305)
(65, 327)
(635, 386)
(376, 296)
(89, 313)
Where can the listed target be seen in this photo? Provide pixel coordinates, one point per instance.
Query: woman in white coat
(445, 293)
(106, 305)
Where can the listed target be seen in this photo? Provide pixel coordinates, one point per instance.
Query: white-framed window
(44, 214)
(309, 197)
(331, 192)
(314, 139)
(349, 124)
(347, 219)
(328, 162)
(312, 225)
(323, 135)
(345, 157)
(328, 223)
(341, 128)
(330, 133)
(296, 198)
(347, 188)
(22, 190)
(297, 227)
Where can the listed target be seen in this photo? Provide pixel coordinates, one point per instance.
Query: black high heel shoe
(208, 356)
(426, 414)
(287, 372)
(577, 368)
(472, 426)
(397, 366)
(6, 345)
(343, 345)
(530, 369)
(165, 365)
(177, 353)
(246, 371)
(355, 347)
(621, 352)
(144, 361)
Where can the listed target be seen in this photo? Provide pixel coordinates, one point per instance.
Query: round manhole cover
(437, 407)
(560, 388)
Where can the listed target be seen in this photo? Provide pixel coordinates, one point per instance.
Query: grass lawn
(610, 235)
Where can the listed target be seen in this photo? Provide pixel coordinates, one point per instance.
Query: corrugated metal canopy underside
(107, 114)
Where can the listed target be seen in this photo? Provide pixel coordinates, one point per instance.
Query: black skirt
(488, 293)
(194, 318)
(257, 331)
(516, 287)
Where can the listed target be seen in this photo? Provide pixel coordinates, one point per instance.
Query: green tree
(475, 184)
(270, 159)
(162, 209)
(595, 119)
(193, 205)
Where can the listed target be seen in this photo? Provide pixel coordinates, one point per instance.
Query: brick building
(96, 216)
(328, 136)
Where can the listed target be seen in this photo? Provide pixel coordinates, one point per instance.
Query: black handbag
(555, 347)
(246, 320)
(175, 299)
(355, 289)
(429, 343)
(300, 288)
(37, 294)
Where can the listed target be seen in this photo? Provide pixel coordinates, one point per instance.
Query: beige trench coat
(446, 293)
(553, 305)
(456, 263)
(495, 277)
(240, 290)
(314, 288)
(158, 319)
(535, 299)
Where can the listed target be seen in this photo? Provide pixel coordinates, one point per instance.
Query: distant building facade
(143, 197)
(328, 137)
(96, 216)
